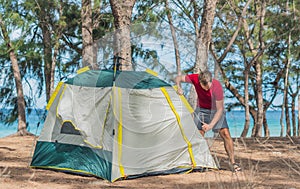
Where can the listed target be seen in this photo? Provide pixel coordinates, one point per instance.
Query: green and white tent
(117, 125)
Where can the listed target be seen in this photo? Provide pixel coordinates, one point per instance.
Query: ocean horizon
(235, 119)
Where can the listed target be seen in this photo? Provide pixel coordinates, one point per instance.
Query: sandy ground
(267, 163)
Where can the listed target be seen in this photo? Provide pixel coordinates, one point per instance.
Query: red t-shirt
(206, 99)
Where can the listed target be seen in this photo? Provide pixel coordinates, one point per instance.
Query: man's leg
(228, 144)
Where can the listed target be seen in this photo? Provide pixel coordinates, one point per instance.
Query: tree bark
(298, 113)
(47, 60)
(203, 38)
(293, 110)
(293, 106)
(258, 67)
(87, 35)
(122, 11)
(265, 124)
(287, 118)
(247, 113)
(175, 42)
(259, 100)
(286, 86)
(284, 107)
(44, 23)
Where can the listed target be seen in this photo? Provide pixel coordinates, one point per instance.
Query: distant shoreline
(235, 118)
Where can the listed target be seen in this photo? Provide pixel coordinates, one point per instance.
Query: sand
(267, 163)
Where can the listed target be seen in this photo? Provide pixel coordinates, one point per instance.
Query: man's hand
(178, 79)
(179, 91)
(206, 127)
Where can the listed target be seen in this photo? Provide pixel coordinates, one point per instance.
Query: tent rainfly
(117, 125)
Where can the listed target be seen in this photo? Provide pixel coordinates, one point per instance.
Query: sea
(235, 119)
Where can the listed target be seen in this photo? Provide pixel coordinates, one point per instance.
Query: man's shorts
(206, 115)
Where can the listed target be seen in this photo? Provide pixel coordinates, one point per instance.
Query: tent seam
(54, 94)
(120, 131)
(164, 91)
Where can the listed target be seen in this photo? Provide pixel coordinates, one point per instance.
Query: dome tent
(116, 125)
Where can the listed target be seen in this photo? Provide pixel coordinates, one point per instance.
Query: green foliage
(105, 26)
(23, 21)
(279, 21)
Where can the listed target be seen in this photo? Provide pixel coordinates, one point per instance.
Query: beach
(267, 163)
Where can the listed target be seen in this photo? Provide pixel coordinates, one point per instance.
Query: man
(210, 113)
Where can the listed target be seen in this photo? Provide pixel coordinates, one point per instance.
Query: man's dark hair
(205, 77)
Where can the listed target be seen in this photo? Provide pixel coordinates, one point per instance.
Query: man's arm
(178, 79)
(216, 118)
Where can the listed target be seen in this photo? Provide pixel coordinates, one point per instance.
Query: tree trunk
(204, 35)
(258, 67)
(281, 117)
(286, 84)
(176, 46)
(203, 38)
(265, 124)
(298, 113)
(284, 107)
(87, 35)
(47, 61)
(259, 100)
(22, 130)
(96, 20)
(254, 125)
(247, 113)
(46, 33)
(216, 70)
(21, 101)
(53, 66)
(122, 11)
(293, 110)
(287, 119)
